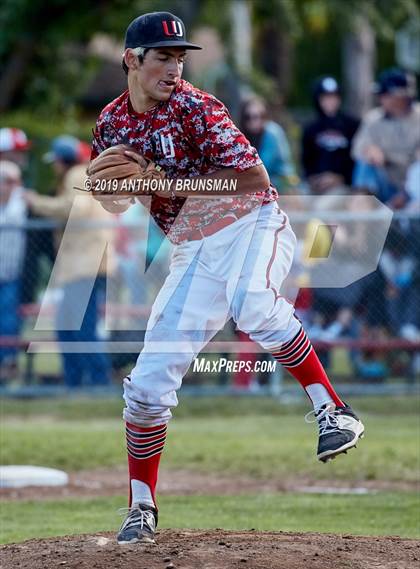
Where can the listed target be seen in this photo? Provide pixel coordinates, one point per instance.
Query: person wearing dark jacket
(326, 141)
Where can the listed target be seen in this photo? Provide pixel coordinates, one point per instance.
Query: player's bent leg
(259, 309)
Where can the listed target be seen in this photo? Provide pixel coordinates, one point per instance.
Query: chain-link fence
(90, 285)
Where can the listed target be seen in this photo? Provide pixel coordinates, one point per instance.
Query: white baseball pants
(235, 273)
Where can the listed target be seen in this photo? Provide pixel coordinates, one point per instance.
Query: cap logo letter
(176, 28)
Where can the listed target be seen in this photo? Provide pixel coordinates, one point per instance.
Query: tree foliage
(48, 40)
(296, 17)
(42, 45)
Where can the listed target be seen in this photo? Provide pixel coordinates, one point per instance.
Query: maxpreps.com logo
(173, 29)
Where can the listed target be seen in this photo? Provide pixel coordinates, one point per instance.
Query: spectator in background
(14, 146)
(359, 309)
(77, 263)
(13, 213)
(386, 143)
(326, 141)
(270, 141)
(399, 267)
(412, 184)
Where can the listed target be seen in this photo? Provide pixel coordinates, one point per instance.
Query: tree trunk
(358, 60)
(277, 58)
(240, 17)
(13, 74)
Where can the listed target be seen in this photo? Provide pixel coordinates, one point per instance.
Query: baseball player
(232, 251)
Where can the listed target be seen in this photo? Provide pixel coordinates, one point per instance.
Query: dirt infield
(216, 549)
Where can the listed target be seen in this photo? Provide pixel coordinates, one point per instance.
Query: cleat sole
(330, 455)
(146, 540)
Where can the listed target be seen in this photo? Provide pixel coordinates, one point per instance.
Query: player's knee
(249, 312)
(145, 406)
(270, 338)
(264, 319)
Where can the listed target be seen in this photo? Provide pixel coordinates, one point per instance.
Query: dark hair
(141, 59)
(248, 102)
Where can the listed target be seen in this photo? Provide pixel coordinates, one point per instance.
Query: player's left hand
(117, 165)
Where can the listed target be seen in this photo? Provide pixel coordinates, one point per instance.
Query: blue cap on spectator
(395, 82)
(64, 148)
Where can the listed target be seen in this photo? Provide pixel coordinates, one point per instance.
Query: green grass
(71, 445)
(234, 436)
(92, 408)
(262, 447)
(380, 514)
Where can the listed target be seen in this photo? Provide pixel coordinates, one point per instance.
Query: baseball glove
(108, 171)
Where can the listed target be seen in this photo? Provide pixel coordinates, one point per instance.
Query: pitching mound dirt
(216, 549)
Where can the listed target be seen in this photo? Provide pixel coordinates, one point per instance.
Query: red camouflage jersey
(191, 134)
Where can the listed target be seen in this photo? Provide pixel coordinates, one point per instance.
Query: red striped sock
(144, 448)
(299, 358)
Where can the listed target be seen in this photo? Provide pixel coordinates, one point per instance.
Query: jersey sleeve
(102, 135)
(98, 144)
(210, 128)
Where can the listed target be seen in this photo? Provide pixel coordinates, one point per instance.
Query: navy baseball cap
(157, 29)
(394, 81)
